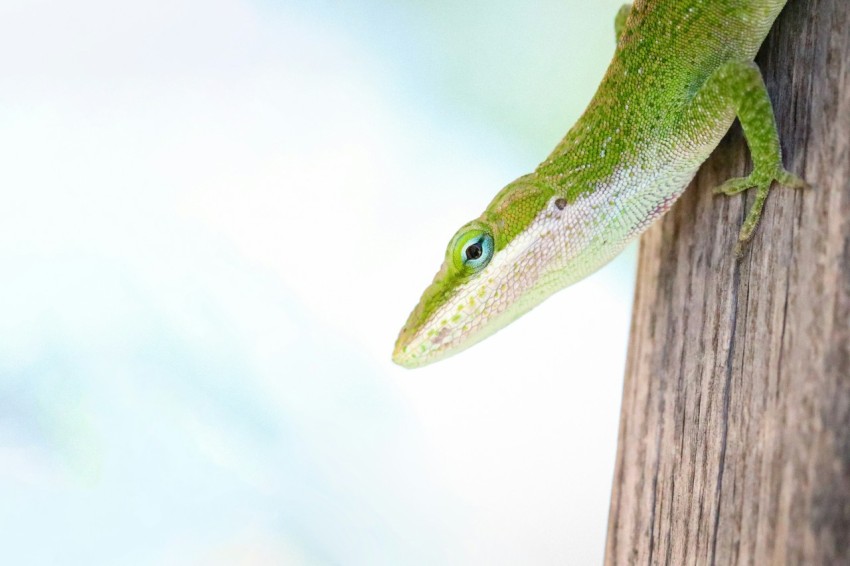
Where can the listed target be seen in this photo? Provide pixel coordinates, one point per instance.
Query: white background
(214, 218)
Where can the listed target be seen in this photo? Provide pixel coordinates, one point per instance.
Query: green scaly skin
(682, 72)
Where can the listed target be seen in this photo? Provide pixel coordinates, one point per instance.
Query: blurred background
(214, 218)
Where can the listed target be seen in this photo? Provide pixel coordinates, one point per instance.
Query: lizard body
(682, 72)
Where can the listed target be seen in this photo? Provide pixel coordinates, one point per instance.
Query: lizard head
(496, 268)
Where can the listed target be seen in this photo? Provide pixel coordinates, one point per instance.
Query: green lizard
(682, 72)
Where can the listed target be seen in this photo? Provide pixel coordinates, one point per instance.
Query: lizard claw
(758, 180)
(735, 186)
(792, 181)
(762, 183)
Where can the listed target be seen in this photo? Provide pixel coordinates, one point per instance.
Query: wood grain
(734, 440)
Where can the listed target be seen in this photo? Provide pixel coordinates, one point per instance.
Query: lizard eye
(473, 250)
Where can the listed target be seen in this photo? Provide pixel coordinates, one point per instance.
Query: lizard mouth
(402, 357)
(400, 351)
(416, 347)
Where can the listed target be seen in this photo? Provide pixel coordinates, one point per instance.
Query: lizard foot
(762, 183)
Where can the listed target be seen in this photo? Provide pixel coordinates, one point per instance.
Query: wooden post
(734, 440)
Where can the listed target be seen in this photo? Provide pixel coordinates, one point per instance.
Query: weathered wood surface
(735, 430)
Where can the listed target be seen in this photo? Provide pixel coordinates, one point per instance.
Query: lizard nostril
(561, 203)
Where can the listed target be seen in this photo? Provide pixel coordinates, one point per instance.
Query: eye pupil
(474, 251)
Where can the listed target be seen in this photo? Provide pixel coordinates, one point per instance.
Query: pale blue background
(215, 216)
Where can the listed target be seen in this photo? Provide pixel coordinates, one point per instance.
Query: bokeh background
(214, 218)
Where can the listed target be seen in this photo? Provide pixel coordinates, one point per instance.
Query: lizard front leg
(737, 87)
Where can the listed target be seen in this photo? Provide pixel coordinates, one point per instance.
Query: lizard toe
(792, 181)
(736, 186)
